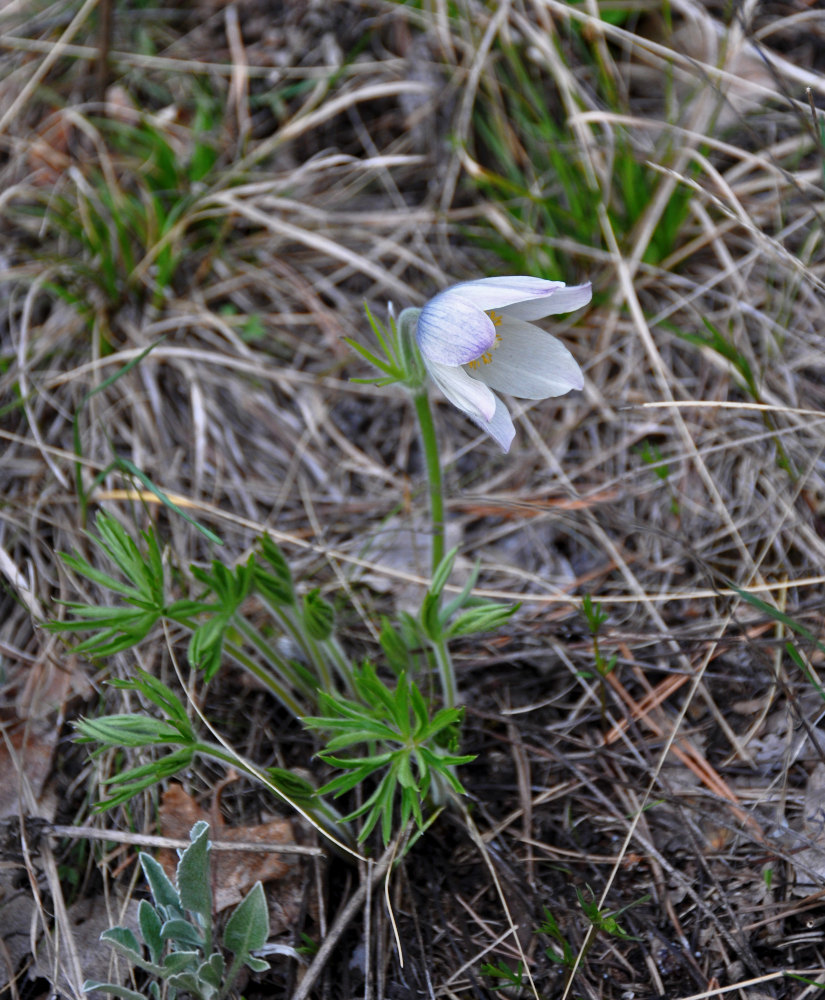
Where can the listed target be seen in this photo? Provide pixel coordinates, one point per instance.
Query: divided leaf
(319, 616)
(275, 586)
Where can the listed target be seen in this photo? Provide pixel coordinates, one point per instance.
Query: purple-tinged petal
(470, 396)
(503, 291)
(562, 300)
(453, 331)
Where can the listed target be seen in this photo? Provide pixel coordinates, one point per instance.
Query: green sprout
(184, 951)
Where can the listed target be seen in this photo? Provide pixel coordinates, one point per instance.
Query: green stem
(433, 459)
(281, 691)
(430, 445)
(319, 811)
(291, 618)
(232, 974)
(446, 673)
(288, 618)
(339, 660)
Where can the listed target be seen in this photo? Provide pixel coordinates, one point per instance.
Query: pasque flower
(476, 339)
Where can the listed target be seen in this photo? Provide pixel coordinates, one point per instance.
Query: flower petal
(500, 426)
(453, 330)
(468, 394)
(529, 363)
(504, 290)
(561, 300)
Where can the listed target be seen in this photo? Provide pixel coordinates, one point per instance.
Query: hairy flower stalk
(477, 339)
(473, 340)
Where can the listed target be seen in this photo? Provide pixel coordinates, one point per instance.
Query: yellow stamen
(487, 356)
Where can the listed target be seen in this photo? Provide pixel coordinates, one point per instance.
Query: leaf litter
(234, 873)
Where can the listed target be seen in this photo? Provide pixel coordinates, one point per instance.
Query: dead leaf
(35, 700)
(26, 756)
(233, 872)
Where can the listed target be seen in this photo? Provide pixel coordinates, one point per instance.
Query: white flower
(474, 338)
